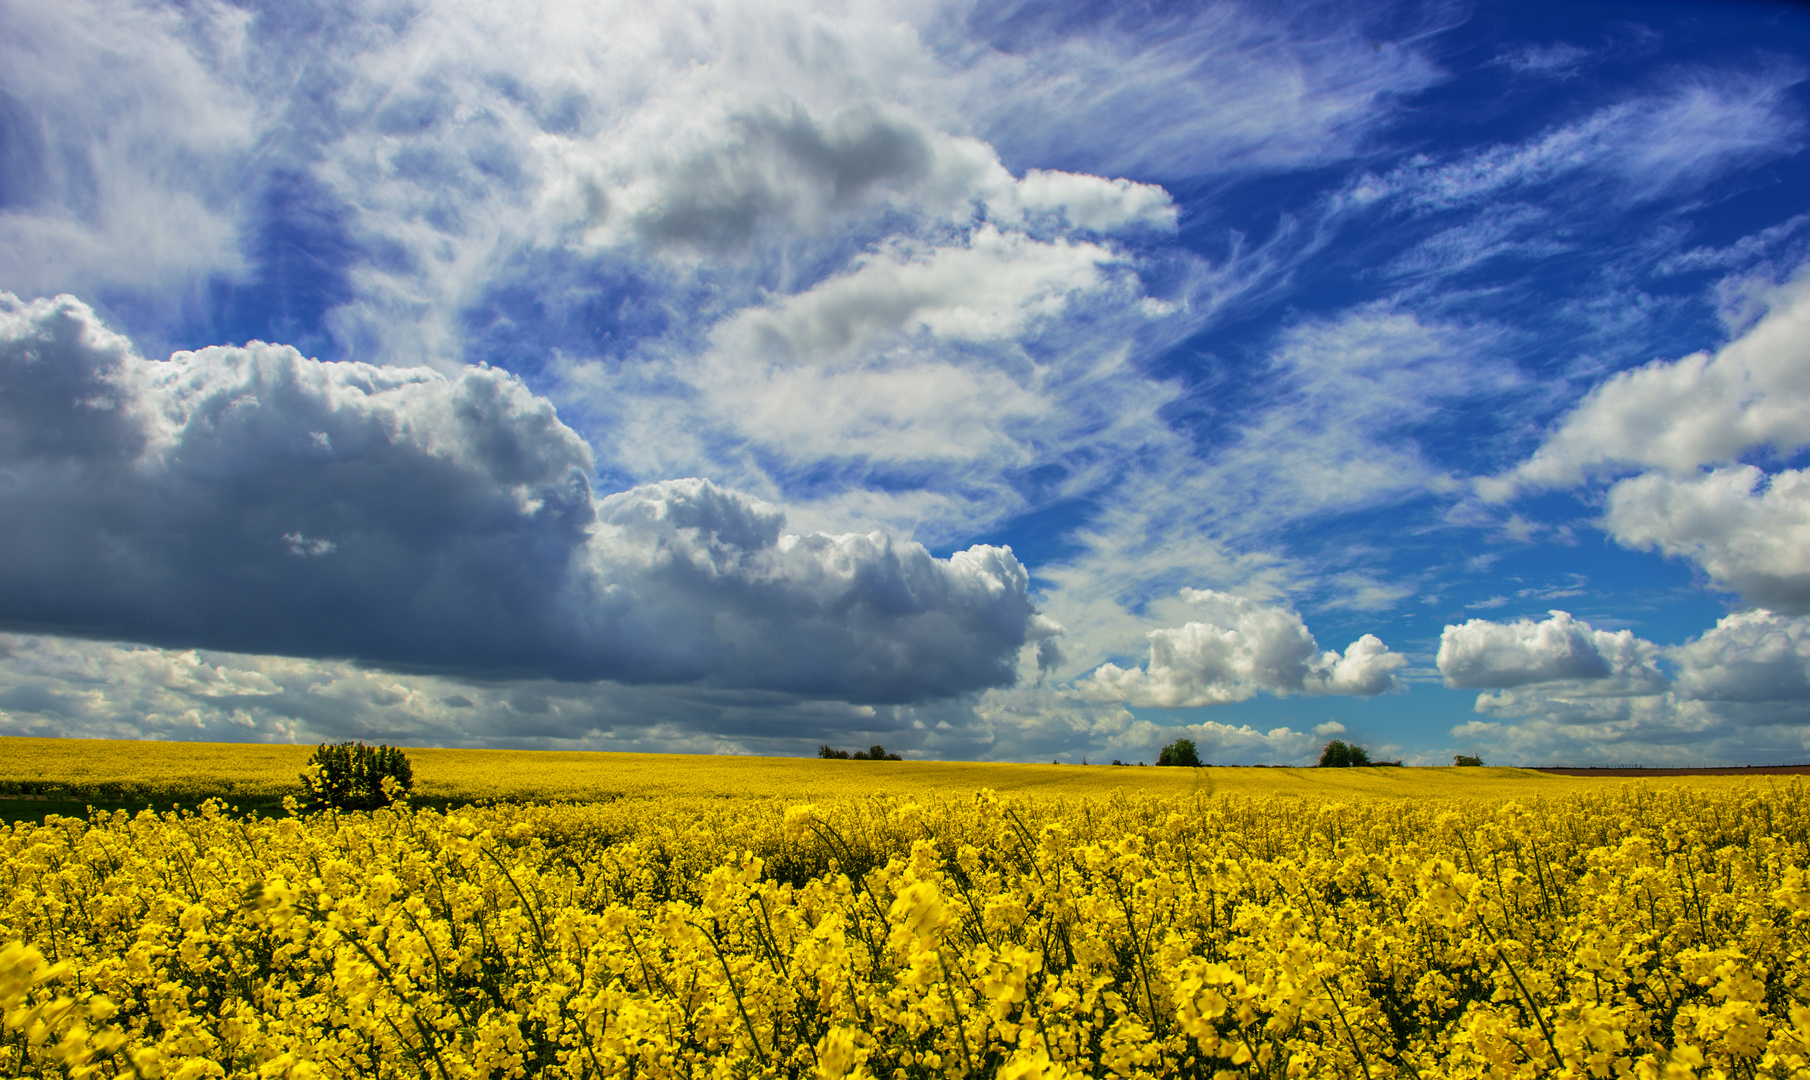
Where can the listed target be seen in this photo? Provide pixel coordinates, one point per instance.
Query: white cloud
(450, 526)
(1737, 696)
(753, 150)
(64, 687)
(725, 174)
(1214, 89)
(1743, 253)
(307, 547)
(696, 583)
(956, 364)
(1332, 433)
(911, 356)
(1558, 649)
(1750, 656)
(1547, 724)
(1560, 59)
(1667, 142)
(1710, 122)
(741, 165)
(1750, 532)
(1241, 648)
(1681, 414)
(1493, 232)
(1089, 202)
(1040, 722)
(124, 132)
(464, 144)
(1334, 428)
(984, 289)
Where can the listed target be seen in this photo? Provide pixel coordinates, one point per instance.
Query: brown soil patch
(1708, 770)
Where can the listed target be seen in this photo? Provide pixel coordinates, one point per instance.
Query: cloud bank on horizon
(985, 380)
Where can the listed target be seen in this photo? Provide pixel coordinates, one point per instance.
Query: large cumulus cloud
(1750, 532)
(1561, 690)
(1703, 409)
(254, 500)
(1685, 426)
(1749, 657)
(1237, 649)
(1558, 649)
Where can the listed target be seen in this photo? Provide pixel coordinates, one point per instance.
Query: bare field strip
(1665, 773)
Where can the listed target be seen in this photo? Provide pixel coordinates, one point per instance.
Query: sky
(982, 380)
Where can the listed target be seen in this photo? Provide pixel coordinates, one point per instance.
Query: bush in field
(353, 776)
(1340, 754)
(1467, 759)
(1179, 752)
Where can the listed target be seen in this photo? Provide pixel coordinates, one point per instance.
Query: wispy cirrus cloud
(123, 131)
(1221, 88)
(1681, 134)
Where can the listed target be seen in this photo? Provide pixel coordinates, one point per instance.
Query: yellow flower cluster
(1635, 932)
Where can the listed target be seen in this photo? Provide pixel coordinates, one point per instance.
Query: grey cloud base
(252, 500)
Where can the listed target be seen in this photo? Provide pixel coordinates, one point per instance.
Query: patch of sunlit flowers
(1636, 933)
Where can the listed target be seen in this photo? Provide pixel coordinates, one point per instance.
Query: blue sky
(983, 380)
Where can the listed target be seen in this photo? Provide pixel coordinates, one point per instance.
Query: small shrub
(1179, 752)
(1470, 760)
(1340, 754)
(353, 776)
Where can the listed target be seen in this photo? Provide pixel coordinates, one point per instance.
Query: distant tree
(1467, 759)
(872, 753)
(1340, 754)
(1179, 752)
(353, 776)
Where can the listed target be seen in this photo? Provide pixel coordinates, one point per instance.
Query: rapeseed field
(1195, 929)
(117, 771)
